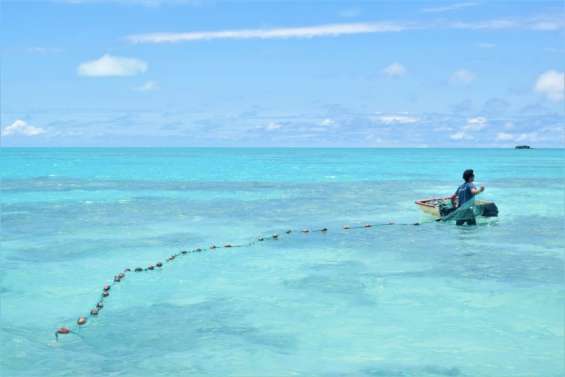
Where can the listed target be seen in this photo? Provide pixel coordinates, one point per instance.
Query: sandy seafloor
(430, 300)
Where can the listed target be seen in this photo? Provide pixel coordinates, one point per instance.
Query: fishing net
(466, 213)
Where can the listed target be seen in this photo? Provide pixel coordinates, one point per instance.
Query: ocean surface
(399, 300)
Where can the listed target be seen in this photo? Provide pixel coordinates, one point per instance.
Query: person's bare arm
(476, 191)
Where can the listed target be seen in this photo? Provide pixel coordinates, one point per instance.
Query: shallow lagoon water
(429, 300)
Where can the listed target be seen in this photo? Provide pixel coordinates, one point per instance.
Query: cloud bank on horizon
(185, 73)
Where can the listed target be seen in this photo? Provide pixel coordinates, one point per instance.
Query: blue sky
(263, 74)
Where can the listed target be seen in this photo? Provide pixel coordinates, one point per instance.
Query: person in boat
(464, 193)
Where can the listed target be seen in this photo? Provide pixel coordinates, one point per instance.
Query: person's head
(469, 175)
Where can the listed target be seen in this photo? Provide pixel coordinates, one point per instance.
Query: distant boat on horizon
(522, 147)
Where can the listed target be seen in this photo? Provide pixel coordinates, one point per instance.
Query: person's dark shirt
(464, 193)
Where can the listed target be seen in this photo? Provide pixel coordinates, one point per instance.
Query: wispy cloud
(394, 70)
(327, 122)
(330, 30)
(148, 86)
(551, 84)
(461, 77)
(257, 128)
(546, 23)
(504, 136)
(486, 45)
(147, 3)
(43, 50)
(20, 127)
(395, 119)
(272, 126)
(460, 135)
(109, 65)
(496, 24)
(555, 50)
(537, 23)
(517, 137)
(495, 106)
(449, 8)
(472, 126)
(475, 124)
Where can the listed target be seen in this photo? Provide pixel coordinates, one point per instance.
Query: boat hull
(433, 207)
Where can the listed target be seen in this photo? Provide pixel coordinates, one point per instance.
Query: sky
(180, 73)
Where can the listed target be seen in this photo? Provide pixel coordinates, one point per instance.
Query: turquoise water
(429, 300)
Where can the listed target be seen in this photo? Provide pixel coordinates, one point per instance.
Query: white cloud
(475, 124)
(521, 137)
(460, 135)
(396, 119)
(374, 139)
(148, 3)
(461, 77)
(555, 50)
(547, 25)
(504, 136)
(449, 7)
(273, 126)
(495, 24)
(394, 70)
(19, 127)
(330, 30)
(551, 84)
(486, 45)
(109, 65)
(43, 50)
(528, 136)
(328, 122)
(442, 129)
(148, 86)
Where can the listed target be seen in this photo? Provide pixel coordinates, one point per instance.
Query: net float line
(119, 277)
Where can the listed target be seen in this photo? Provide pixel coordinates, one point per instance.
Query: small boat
(440, 207)
(522, 147)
